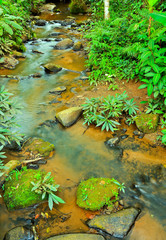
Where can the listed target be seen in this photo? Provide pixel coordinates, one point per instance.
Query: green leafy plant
(47, 188)
(106, 112)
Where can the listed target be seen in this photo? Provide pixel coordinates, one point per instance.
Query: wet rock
(19, 233)
(138, 133)
(17, 54)
(83, 78)
(64, 44)
(39, 146)
(59, 89)
(50, 67)
(124, 136)
(55, 34)
(76, 236)
(77, 46)
(112, 141)
(9, 62)
(50, 7)
(116, 224)
(42, 162)
(54, 101)
(147, 123)
(36, 75)
(69, 116)
(70, 17)
(13, 146)
(32, 166)
(11, 165)
(40, 22)
(36, 51)
(94, 193)
(124, 130)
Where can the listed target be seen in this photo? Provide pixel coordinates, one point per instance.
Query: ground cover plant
(105, 112)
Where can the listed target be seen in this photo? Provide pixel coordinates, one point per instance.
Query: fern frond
(6, 27)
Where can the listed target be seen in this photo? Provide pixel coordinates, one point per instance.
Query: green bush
(77, 6)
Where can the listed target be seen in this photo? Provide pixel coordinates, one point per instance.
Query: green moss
(94, 193)
(77, 6)
(147, 123)
(38, 145)
(17, 190)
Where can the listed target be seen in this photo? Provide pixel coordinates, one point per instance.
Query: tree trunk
(106, 9)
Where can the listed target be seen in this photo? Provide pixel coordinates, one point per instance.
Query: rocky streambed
(51, 83)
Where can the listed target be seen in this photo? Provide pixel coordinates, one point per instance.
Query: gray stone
(19, 233)
(50, 67)
(59, 89)
(116, 224)
(76, 236)
(41, 22)
(69, 116)
(64, 44)
(113, 141)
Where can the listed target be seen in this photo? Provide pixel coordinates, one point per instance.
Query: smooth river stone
(80, 236)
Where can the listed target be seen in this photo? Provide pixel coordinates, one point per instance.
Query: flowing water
(80, 152)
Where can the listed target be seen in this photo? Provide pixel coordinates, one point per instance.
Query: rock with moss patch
(39, 146)
(77, 6)
(117, 224)
(69, 116)
(94, 193)
(17, 189)
(11, 165)
(50, 67)
(147, 123)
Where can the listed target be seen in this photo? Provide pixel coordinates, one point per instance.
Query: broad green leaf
(159, 17)
(1, 11)
(6, 27)
(149, 89)
(142, 86)
(1, 31)
(145, 55)
(13, 24)
(156, 78)
(151, 44)
(50, 202)
(155, 68)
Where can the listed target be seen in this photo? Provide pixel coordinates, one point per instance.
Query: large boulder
(51, 67)
(117, 224)
(94, 193)
(76, 236)
(9, 62)
(147, 123)
(50, 7)
(39, 146)
(69, 116)
(64, 44)
(19, 233)
(18, 186)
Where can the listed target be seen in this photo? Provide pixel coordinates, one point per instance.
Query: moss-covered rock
(147, 123)
(77, 6)
(51, 67)
(17, 190)
(94, 193)
(39, 146)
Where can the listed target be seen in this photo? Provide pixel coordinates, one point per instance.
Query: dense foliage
(130, 45)
(14, 24)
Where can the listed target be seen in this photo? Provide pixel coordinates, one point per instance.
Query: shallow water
(80, 152)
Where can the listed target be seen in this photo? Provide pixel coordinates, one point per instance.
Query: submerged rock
(39, 146)
(94, 193)
(50, 67)
(17, 190)
(76, 236)
(19, 233)
(64, 44)
(116, 224)
(69, 116)
(147, 123)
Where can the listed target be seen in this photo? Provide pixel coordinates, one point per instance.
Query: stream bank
(80, 151)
